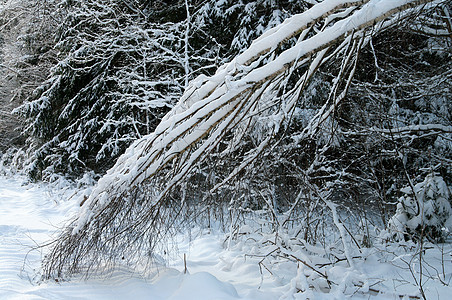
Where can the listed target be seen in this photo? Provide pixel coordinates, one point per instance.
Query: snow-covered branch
(241, 111)
(204, 110)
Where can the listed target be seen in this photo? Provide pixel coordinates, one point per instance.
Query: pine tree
(118, 73)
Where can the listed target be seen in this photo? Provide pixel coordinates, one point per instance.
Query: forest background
(356, 136)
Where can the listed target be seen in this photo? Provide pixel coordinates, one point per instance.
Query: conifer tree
(122, 65)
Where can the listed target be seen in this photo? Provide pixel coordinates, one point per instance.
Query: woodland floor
(30, 214)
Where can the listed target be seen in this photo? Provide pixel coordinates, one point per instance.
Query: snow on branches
(250, 98)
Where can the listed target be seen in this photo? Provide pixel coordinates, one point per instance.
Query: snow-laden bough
(252, 87)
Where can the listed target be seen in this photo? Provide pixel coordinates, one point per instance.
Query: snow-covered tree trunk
(252, 97)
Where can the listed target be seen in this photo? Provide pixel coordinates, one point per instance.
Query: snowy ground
(29, 214)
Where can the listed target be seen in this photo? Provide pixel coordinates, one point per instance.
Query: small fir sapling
(423, 210)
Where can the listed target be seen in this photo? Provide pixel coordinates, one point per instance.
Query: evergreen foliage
(320, 121)
(122, 66)
(423, 211)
